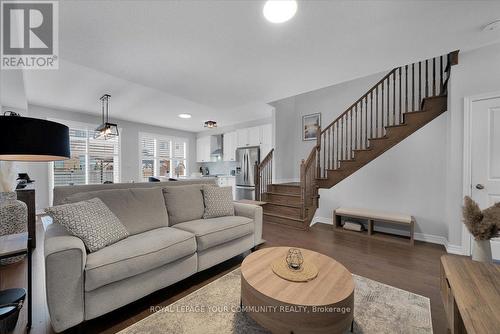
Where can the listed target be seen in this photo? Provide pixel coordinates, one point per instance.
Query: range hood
(216, 149)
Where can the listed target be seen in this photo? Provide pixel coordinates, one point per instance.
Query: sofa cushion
(91, 221)
(137, 254)
(216, 231)
(139, 209)
(218, 201)
(184, 203)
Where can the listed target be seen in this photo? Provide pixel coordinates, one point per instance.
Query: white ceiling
(223, 60)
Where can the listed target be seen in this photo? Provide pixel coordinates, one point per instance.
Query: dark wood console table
(27, 195)
(471, 295)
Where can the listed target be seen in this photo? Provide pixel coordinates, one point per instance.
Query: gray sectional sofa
(168, 241)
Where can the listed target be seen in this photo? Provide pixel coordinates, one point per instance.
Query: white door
(485, 156)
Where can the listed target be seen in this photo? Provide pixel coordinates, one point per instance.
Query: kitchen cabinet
(230, 144)
(254, 136)
(203, 149)
(227, 181)
(248, 136)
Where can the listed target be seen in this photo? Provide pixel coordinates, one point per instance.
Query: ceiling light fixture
(279, 11)
(106, 130)
(210, 124)
(495, 25)
(185, 116)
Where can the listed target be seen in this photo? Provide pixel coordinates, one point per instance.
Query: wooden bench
(374, 216)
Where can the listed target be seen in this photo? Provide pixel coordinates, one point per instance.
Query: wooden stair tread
(380, 138)
(395, 126)
(283, 216)
(290, 184)
(281, 194)
(298, 206)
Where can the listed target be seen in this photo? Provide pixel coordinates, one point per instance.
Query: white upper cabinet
(242, 137)
(203, 149)
(249, 136)
(229, 146)
(254, 136)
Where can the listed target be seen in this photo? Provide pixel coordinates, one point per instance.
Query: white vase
(13, 218)
(481, 251)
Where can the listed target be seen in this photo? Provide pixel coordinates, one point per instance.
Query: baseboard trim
(430, 238)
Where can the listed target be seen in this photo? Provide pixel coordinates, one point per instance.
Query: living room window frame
(89, 128)
(157, 158)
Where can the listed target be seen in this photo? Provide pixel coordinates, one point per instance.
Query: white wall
(330, 102)
(129, 137)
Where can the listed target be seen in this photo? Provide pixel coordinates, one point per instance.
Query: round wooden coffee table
(323, 305)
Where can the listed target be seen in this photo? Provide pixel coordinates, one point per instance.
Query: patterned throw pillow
(218, 201)
(91, 221)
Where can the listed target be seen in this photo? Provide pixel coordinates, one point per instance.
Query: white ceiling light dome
(185, 116)
(279, 11)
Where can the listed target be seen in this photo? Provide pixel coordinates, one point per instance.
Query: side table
(14, 245)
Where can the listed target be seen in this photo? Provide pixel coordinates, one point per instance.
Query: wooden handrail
(360, 99)
(268, 157)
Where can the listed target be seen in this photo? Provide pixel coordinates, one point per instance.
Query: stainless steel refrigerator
(245, 168)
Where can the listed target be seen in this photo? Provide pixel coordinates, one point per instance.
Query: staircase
(403, 101)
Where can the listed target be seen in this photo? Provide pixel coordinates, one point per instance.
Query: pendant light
(32, 139)
(106, 130)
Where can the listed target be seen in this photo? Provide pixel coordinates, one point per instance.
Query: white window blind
(92, 161)
(162, 156)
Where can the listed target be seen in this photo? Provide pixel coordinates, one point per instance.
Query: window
(162, 156)
(92, 161)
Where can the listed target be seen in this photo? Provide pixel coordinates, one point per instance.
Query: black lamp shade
(32, 139)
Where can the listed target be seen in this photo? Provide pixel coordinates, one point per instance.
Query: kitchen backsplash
(219, 167)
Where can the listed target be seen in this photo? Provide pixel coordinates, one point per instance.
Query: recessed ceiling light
(495, 25)
(279, 11)
(184, 115)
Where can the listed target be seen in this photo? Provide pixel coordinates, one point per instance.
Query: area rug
(378, 308)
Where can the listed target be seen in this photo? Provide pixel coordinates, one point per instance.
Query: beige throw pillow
(218, 202)
(91, 221)
(184, 203)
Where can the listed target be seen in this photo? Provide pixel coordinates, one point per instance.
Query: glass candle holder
(294, 259)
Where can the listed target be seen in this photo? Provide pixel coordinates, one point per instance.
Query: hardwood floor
(415, 269)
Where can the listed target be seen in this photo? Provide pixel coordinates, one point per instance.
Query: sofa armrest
(65, 258)
(254, 212)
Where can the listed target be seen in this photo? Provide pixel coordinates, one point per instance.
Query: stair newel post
(318, 152)
(257, 181)
(356, 127)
